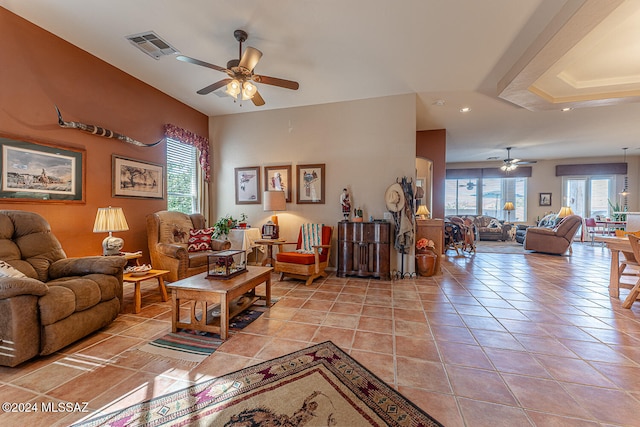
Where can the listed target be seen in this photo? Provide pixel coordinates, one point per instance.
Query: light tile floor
(497, 340)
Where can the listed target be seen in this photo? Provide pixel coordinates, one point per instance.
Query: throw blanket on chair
(311, 236)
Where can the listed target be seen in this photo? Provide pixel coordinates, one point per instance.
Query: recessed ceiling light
(439, 102)
(565, 109)
(465, 109)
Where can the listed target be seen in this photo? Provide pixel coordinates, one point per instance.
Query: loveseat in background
(486, 227)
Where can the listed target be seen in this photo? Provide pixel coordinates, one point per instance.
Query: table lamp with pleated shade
(109, 220)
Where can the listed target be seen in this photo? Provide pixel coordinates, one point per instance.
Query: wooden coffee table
(233, 295)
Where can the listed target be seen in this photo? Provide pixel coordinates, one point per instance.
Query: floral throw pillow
(200, 239)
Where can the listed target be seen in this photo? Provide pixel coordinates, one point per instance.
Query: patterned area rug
(193, 346)
(512, 247)
(320, 385)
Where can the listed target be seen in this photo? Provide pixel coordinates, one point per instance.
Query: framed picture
(278, 178)
(310, 183)
(41, 172)
(137, 178)
(545, 199)
(248, 186)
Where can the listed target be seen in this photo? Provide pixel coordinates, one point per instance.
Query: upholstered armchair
(48, 301)
(310, 259)
(556, 240)
(168, 234)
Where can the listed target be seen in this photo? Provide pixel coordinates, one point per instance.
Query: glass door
(576, 195)
(588, 196)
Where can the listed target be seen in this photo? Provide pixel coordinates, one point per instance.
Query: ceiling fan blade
(201, 63)
(257, 100)
(527, 162)
(250, 58)
(273, 81)
(211, 88)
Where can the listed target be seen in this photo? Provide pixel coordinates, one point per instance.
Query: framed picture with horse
(41, 172)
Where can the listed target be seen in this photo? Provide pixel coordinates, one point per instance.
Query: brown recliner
(554, 240)
(48, 301)
(167, 237)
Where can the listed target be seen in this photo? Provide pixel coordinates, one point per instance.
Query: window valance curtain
(188, 137)
(469, 173)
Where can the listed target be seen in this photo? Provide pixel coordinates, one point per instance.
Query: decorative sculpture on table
(345, 204)
(95, 130)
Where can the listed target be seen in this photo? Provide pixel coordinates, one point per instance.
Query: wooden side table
(269, 244)
(136, 279)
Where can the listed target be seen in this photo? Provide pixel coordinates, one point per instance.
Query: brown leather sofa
(48, 301)
(556, 240)
(167, 237)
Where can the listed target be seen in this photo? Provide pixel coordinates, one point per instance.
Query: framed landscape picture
(41, 172)
(278, 178)
(137, 178)
(248, 191)
(310, 183)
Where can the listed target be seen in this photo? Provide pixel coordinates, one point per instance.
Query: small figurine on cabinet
(345, 204)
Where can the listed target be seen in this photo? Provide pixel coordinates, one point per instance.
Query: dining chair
(631, 259)
(591, 226)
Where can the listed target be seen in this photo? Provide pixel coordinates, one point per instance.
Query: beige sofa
(48, 301)
(167, 237)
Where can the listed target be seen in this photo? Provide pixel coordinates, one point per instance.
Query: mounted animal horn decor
(95, 130)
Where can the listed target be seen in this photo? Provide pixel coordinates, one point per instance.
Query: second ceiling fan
(240, 74)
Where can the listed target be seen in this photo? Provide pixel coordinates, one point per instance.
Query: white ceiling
(462, 52)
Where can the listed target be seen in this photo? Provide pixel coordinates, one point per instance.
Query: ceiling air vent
(151, 44)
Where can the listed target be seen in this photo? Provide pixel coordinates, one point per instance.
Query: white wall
(364, 144)
(544, 180)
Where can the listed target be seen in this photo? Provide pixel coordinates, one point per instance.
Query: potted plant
(357, 215)
(223, 225)
(618, 211)
(242, 222)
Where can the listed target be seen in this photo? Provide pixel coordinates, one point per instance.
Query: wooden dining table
(617, 245)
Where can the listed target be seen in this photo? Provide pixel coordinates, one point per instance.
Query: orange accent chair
(306, 266)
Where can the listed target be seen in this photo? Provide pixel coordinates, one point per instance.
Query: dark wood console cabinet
(364, 249)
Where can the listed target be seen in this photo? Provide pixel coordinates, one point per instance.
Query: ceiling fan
(470, 185)
(510, 164)
(240, 74)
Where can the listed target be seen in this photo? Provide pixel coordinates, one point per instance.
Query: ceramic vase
(426, 263)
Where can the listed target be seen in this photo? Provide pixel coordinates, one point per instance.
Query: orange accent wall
(40, 70)
(432, 145)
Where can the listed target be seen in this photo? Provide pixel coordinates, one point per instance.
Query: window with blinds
(182, 183)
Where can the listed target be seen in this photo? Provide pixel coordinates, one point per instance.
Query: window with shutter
(182, 183)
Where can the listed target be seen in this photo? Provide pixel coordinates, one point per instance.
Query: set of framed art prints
(309, 182)
(44, 172)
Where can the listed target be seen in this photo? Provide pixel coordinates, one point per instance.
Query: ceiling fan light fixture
(248, 90)
(233, 88)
